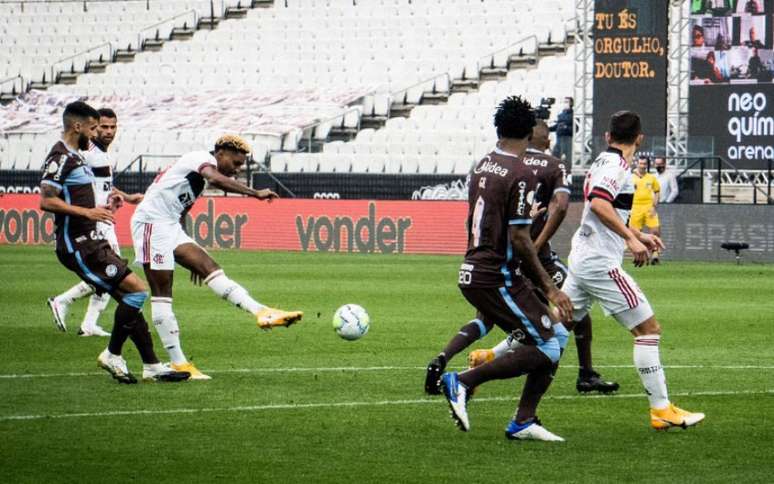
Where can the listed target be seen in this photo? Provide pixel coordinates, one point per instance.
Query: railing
(711, 168)
(55, 73)
(343, 115)
(141, 38)
(489, 59)
(13, 81)
(432, 79)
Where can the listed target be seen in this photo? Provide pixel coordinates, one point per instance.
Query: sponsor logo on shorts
(545, 321)
(518, 335)
(558, 278)
(111, 270)
(158, 259)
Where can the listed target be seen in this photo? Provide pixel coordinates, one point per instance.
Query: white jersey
(97, 159)
(175, 189)
(594, 246)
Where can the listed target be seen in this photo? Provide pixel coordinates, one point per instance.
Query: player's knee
(135, 299)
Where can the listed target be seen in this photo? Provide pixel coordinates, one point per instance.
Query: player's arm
(218, 180)
(50, 202)
(523, 246)
(656, 193)
(557, 210)
(606, 213)
(133, 198)
(673, 190)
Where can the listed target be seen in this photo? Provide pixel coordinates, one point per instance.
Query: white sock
(648, 364)
(232, 292)
(76, 292)
(97, 304)
(167, 328)
(501, 348)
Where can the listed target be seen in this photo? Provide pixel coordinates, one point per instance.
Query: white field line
(378, 403)
(13, 376)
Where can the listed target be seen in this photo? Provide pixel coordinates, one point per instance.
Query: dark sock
(583, 343)
(524, 359)
(534, 388)
(141, 338)
(467, 335)
(123, 324)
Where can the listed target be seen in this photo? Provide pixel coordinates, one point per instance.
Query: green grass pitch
(302, 405)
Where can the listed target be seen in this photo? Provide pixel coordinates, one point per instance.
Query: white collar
(504, 153)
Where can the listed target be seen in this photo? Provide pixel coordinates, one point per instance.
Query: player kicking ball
(67, 191)
(496, 278)
(160, 242)
(595, 264)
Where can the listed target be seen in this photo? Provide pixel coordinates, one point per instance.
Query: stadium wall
(691, 232)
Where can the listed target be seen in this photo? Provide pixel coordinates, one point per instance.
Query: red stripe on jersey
(602, 193)
(199, 170)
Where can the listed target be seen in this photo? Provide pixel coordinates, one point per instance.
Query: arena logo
(223, 231)
(366, 235)
(18, 189)
(326, 196)
(26, 226)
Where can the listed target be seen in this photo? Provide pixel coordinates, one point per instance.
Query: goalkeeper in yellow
(646, 192)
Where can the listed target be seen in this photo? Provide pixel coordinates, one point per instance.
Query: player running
(67, 190)
(501, 189)
(160, 242)
(595, 264)
(553, 192)
(97, 159)
(646, 195)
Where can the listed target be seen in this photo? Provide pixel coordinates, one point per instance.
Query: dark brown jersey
(552, 177)
(66, 170)
(499, 196)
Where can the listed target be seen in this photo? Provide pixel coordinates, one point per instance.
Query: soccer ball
(351, 321)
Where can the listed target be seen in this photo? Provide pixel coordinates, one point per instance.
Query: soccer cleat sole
(58, 321)
(294, 318)
(433, 380)
(173, 377)
(458, 421)
(604, 390)
(663, 425)
(128, 378)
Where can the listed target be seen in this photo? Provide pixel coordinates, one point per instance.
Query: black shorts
(520, 311)
(97, 265)
(555, 268)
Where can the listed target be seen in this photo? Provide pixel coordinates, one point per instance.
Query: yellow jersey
(646, 189)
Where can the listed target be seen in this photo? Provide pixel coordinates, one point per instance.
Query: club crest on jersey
(491, 167)
(111, 270)
(545, 321)
(158, 259)
(53, 167)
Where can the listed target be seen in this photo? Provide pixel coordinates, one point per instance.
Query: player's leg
(466, 336)
(98, 303)
(60, 304)
(198, 261)
(654, 226)
(622, 298)
(588, 380)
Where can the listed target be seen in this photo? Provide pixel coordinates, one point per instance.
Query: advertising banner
(630, 62)
(732, 67)
(362, 226)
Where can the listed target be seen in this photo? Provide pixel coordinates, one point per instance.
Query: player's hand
(562, 303)
(266, 194)
(639, 251)
(99, 214)
(536, 211)
(652, 242)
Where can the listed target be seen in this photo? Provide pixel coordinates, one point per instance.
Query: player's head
(625, 129)
(514, 119)
(79, 119)
(231, 152)
(108, 124)
(660, 165)
(539, 138)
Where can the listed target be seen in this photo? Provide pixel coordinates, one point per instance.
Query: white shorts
(108, 232)
(616, 292)
(155, 243)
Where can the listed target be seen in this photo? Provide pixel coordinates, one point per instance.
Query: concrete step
(400, 110)
(124, 56)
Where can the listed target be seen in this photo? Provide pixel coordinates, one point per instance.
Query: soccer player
(595, 264)
(553, 192)
(492, 278)
(160, 242)
(646, 196)
(97, 159)
(67, 190)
